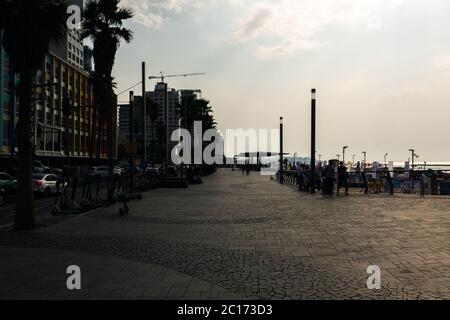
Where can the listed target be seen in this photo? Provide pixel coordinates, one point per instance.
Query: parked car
(45, 184)
(39, 167)
(8, 183)
(103, 171)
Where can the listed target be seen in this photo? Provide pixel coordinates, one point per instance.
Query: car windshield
(38, 176)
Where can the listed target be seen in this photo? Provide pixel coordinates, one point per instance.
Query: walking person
(362, 170)
(342, 178)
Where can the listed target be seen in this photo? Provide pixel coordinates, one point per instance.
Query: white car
(45, 184)
(103, 171)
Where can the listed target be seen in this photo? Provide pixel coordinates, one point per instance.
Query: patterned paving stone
(244, 237)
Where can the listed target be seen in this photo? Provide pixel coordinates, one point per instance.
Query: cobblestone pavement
(238, 237)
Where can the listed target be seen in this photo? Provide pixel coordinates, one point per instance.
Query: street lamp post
(131, 148)
(338, 157)
(343, 153)
(281, 150)
(353, 160)
(413, 155)
(144, 107)
(313, 140)
(295, 155)
(385, 160)
(365, 157)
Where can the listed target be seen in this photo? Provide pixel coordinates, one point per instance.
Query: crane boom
(162, 76)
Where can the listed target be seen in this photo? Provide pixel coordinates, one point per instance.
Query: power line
(124, 91)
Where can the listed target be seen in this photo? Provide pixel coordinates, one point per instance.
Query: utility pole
(281, 150)
(385, 160)
(413, 155)
(66, 109)
(166, 107)
(365, 157)
(313, 140)
(144, 106)
(131, 149)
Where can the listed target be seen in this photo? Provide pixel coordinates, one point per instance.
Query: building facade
(155, 128)
(58, 130)
(55, 131)
(7, 104)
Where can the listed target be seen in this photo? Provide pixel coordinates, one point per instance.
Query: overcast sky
(381, 68)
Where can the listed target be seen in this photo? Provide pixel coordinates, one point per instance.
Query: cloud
(152, 13)
(296, 24)
(254, 24)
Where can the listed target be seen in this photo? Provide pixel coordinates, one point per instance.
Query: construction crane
(162, 76)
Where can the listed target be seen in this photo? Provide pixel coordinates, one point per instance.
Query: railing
(432, 183)
(78, 195)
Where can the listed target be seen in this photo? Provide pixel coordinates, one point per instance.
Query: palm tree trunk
(110, 139)
(24, 219)
(100, 132)
(93, 134)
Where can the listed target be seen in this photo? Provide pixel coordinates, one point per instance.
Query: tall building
(54, 133)
(195, 93)
(88, 56)
(71, 50)
(7, 104)
(158, 124)
(173, 103)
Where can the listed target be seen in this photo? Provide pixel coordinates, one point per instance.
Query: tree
(28, 29)
(102, 22)
(191, 110)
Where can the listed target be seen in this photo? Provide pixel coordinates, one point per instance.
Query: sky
(381, 68)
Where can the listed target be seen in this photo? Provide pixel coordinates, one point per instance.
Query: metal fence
(389, 182)
(77, 195)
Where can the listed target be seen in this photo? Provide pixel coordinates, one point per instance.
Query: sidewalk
(237, 237)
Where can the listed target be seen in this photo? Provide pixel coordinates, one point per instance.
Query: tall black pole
(144, 112)
(281, 151)
(131, 149)
(166, 107)
(313, 141)
(66, 108)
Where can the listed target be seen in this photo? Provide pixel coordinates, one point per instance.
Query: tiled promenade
(238, 237)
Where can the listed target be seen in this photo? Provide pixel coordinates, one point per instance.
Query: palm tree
(28, 29)
(102, 22)
(191, 110)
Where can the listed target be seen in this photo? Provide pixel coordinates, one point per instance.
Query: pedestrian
(328, 182)
(390, 183)
(342, 178)
(362, 170)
